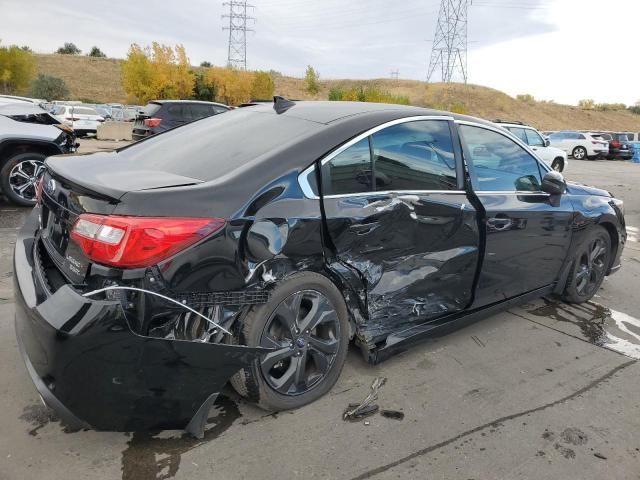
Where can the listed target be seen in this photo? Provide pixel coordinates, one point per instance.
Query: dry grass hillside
(99, 79)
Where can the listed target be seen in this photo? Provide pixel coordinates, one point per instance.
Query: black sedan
(255, 245)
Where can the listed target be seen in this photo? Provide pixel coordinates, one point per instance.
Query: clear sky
(562, 50)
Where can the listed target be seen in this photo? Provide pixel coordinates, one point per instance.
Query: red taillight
(152, 122)
(615, 143)
(133, 242)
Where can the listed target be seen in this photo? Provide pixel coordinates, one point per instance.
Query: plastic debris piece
(367, 407)
(599, 455)
(393, 414)
(367, 422)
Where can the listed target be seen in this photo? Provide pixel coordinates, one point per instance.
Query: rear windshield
(215, 146)
(151, 109)
(622, 137)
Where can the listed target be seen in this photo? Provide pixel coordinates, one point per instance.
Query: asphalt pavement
(543, 391)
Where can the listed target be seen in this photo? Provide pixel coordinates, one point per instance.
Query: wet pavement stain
(567, 453)
(150, 456)
(39, 417)
(574, 436)
(598, 324)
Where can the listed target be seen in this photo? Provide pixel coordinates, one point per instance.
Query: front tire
(19, 175)
(306, 322)
(590, 265)
(579, 153)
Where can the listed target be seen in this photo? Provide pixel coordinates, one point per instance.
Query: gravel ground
(523, 394)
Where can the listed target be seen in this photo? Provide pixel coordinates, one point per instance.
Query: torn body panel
(416, 253)
(129, 381)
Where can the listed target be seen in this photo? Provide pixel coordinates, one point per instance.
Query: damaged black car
(254, 247)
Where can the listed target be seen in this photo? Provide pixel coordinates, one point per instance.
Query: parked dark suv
(619, 145)
(162, 115)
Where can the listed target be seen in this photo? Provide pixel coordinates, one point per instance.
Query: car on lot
(82, 119)
(633, 137)
(580, 145)
(28, 134)
(552, 156)
(257, 244)
(619, 145)
(162, 115)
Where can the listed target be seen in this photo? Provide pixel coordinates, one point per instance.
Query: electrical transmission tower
(449, 52)
(395, 74)
(238, 29)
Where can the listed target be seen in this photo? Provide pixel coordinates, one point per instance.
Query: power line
(237, 53)
(449, 51)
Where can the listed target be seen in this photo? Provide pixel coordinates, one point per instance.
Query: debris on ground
(358, 411)
(599, 455)
(393, 414)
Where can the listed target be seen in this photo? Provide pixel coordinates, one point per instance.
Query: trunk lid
(94, 183)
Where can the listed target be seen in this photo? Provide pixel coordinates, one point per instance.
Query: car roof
(327, 112)
(22, 108)
(161, 102)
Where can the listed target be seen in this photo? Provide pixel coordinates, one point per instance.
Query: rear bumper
(94, 370)
(617, 153)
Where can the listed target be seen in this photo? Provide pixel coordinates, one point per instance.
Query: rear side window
(499, 163)
(519, 132)
(151, 109)
(199, 111)
(350, 171)
(414, 156)
(217, 109)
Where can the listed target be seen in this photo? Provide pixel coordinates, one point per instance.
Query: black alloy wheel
(590, 266)
(306, 325)
(305, 331)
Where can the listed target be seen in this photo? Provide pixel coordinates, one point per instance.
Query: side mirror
(553, 183)
(547, 142)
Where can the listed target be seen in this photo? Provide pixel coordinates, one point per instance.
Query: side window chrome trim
(518, 193)
(303, 177)
(510, 136)
(398, 192)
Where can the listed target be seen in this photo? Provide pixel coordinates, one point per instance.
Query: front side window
(499, 163)
(414, 156)
(534, 139)
(350, 171)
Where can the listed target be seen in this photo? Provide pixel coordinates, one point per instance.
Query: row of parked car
(590, 145)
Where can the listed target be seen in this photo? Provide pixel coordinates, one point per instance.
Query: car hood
(578, 189)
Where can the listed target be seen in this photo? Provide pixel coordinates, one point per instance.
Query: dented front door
(395, 212)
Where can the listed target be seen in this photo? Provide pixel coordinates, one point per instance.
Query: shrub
(263, 86)
(586, 104)
(366, 94)
(311, 78)
(206, 64)
(48, 87)
(335, 94)
(610, 107)
(203, 90)
(526, 98)
(69, 48)
(96, 52)
(17, 67)
(232, 86)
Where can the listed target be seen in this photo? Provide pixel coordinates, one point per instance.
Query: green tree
(69, 48)
(263, 86)
(17, 68)
(48, 87)
(311, 80)
(96, 52)
(206, 64)
(202, 89)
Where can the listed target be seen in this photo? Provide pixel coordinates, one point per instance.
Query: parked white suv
(82, 119)
(580, 145)
(554, 157)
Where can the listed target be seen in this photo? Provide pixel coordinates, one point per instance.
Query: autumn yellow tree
(157, 72)
(263, 86)
(232, 86)
(17, 68)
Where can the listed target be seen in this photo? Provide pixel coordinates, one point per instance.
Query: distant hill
(99, 79)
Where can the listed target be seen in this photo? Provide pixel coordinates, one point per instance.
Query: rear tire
(18, 177)
(590, 265)
(307, 361)
(579, 153)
